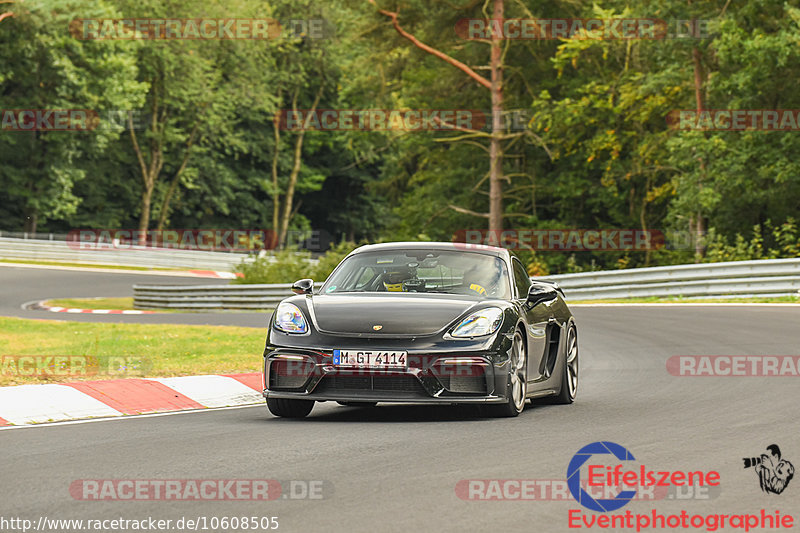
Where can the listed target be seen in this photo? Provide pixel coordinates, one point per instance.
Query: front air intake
(288, 374)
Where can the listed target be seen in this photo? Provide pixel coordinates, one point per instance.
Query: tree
(185, 100)
(495, 87)
(46, 68)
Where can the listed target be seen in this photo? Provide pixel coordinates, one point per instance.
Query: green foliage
(44, 67)
(596, 153)
(331, 259)
(284, 266)
(289, 265)
(782, 241)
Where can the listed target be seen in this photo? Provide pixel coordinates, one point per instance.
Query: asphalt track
(395, 468)
(20, 285)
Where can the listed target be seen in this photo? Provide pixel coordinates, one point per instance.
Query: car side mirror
(303, 286)
(541, 293)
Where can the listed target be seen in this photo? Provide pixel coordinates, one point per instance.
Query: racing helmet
(393, 277)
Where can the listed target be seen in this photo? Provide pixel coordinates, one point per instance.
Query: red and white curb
(95, 311)
(216, 274)
(34, 404)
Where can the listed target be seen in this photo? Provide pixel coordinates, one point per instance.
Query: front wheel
(569, 379)
(517, 381)
(289, 408)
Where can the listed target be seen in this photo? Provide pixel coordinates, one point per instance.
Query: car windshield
(430, 271)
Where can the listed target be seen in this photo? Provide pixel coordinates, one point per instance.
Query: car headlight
(288, 318)
(483, 322)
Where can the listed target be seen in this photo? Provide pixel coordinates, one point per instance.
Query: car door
(536, 318)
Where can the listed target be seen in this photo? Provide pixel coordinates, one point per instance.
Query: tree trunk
(276, 195)
(699, 233)
(144, 217)
(495, 148)
(162, 218)
(149, 172)
(298, 161)
(287, 204)
(699, 229)
(643, 222)
(495, 87)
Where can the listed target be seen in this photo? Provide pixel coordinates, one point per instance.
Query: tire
(358, 404)
(569, 378)
(289, 408)
(517, 381)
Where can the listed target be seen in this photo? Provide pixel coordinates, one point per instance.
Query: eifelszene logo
(602, 475)
(574, 477)
(774, 473)
(596, 461)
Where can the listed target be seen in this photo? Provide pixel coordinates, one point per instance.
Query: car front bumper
(478, 376)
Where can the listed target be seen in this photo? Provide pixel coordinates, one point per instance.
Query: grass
(85, 265)
(125, 303)
(774, 299)
(150, 350)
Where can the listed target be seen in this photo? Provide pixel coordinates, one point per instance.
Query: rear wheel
(517, 381)
(289, 408)
(569, 379)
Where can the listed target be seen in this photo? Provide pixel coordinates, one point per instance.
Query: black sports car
(422, 322)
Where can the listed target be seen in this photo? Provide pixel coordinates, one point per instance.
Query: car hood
(396, 314)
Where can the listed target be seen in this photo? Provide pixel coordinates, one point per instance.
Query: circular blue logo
(574, 477)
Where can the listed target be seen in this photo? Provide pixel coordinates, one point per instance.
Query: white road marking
(128, 417)
(212, 391)
(29, 404)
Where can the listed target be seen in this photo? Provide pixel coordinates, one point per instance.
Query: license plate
(369, 359)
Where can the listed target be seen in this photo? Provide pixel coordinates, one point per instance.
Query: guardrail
(778, 277)
(774, 277)
(61, 251)
(209, 297)
(35, 236)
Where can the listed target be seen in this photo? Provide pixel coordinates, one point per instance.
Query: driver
(394, 277)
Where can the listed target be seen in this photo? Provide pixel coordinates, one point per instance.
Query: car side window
(521, 279)
(366, 276)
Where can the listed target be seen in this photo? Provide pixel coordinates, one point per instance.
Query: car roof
(427, 245)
